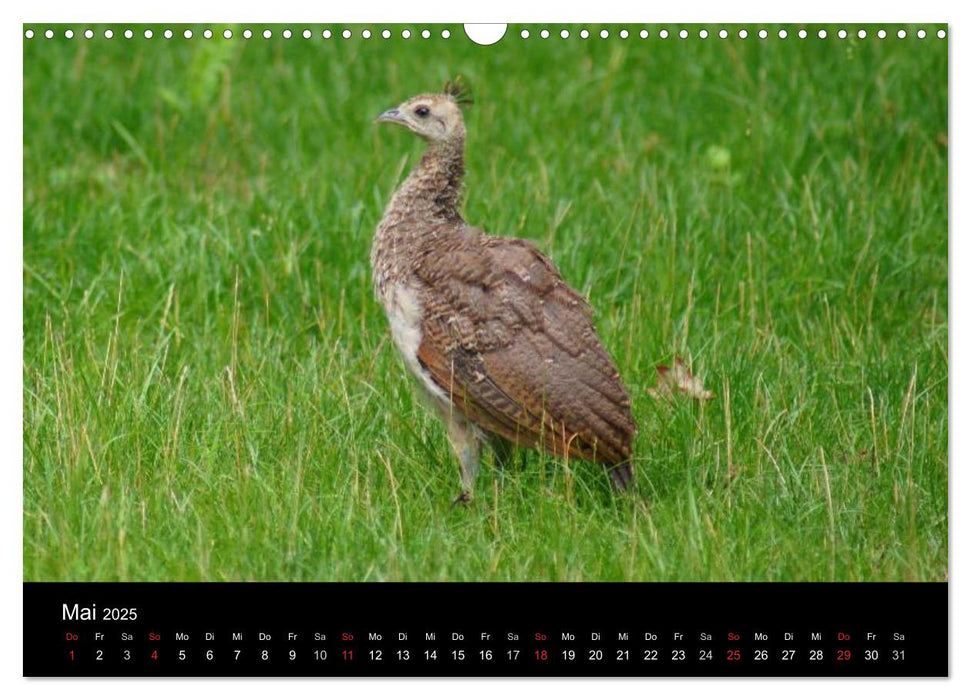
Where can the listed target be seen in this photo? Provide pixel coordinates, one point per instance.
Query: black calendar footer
(485, 629)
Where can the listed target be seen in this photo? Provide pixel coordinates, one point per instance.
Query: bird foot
(464, 497)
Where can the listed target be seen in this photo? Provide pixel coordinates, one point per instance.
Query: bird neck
(433, 188)
(427, 198)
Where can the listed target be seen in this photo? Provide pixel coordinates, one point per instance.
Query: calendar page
(485, 350)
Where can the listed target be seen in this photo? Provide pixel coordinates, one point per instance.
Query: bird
(503, 347)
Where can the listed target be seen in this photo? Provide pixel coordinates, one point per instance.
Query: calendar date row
(458, 655)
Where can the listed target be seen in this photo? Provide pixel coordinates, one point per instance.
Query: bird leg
(466, 445)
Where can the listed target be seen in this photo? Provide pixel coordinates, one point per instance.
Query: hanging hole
(485, 34)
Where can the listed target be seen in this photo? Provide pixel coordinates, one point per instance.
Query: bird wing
(516, 349)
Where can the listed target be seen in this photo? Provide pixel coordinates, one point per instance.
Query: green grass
(210, 392)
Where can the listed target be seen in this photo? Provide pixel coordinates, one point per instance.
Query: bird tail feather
(621, 476)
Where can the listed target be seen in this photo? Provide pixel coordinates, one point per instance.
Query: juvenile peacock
(506, 350)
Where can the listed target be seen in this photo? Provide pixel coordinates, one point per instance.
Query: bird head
(437, 118)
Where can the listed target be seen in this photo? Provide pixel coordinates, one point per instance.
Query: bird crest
(459, 91)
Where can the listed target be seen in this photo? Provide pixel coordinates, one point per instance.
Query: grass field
(210, 392)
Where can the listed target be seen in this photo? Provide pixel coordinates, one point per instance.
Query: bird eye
(421, 111)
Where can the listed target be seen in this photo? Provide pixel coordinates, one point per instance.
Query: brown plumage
(504, 347)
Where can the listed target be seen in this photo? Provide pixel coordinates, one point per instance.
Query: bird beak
(392, 115)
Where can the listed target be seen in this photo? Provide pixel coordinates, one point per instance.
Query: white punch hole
(485, 34)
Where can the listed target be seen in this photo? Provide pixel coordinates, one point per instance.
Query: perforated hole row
(725, 34)
(524, 34)
(246, 33)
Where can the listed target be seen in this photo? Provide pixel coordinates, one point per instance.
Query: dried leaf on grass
(679, 380)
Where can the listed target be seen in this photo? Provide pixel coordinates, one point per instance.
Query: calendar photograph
(581, 303)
